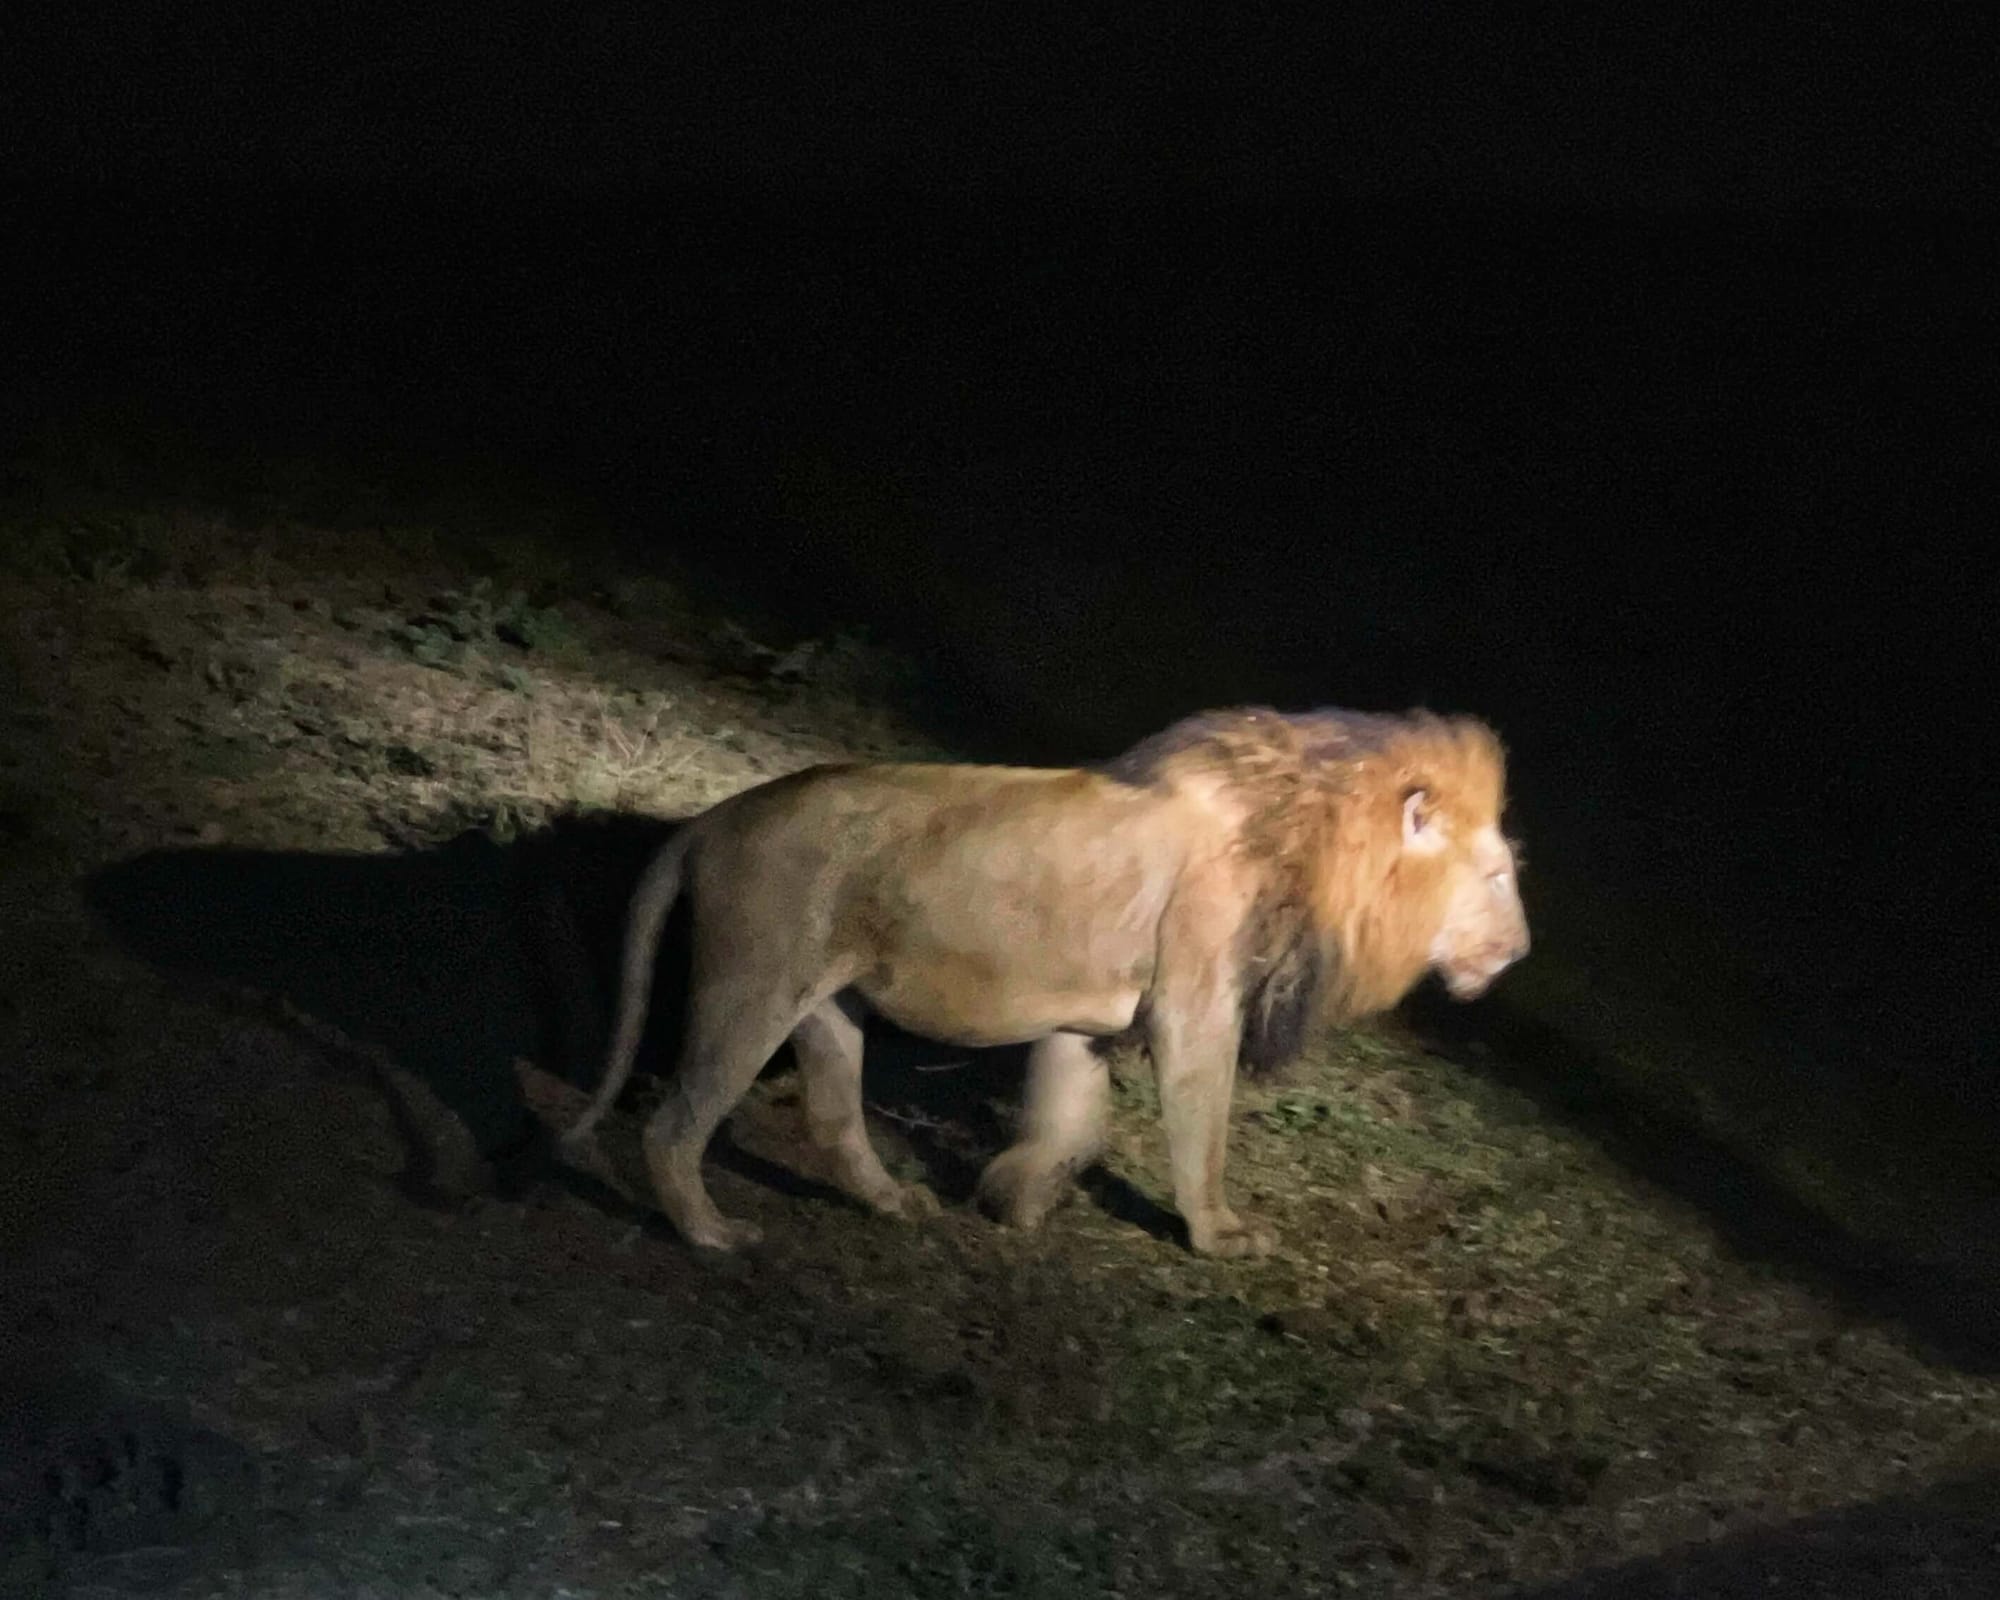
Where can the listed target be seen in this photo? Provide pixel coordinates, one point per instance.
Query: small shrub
(462, 620)
(1299, 1113)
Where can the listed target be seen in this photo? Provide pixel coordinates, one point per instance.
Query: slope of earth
(314, 839)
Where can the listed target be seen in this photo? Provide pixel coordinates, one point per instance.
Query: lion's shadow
(456, 961)
(1943, 1539)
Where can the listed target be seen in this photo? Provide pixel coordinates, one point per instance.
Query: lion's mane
(1343, 916)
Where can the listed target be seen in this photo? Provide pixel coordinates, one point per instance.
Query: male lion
(1219, 889)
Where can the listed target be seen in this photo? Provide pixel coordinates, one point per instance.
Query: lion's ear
(1423, 828)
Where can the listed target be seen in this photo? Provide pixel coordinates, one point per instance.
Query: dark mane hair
(1287, 970)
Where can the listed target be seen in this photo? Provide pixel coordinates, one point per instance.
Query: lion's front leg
(1195, 1059)
(1062, 1130)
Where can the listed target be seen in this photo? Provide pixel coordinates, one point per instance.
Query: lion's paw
(1019, 1190)
(578, 1148)
(725, 1234)
(1229, 1235)
(911, 1202)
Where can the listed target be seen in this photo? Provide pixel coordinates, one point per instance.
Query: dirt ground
(315, 835)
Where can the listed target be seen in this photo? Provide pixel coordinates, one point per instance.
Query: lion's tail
(659, 887)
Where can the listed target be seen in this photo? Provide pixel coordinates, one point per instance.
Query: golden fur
(1219, 890)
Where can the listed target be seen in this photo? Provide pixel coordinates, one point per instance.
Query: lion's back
(936, 843)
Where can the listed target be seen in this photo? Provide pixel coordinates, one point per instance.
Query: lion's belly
(956, 1003)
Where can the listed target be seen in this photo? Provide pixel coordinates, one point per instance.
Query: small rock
(1324, 1325)
(340, 1425)
(412, 763)
(149, 650)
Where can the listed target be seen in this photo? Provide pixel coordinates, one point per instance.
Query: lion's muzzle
(1470, 977)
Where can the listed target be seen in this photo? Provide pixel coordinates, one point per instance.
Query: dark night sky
(1616, 372)
(1650, 106)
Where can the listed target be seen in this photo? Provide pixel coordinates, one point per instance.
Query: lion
(1216, 892)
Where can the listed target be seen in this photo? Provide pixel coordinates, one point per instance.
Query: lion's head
(1428, 881)
(1418, 876)
(1484, 929)
(1379, 843)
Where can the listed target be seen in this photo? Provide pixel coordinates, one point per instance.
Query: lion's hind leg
(1062, 1130)
(736, 1026)
(828, 1041)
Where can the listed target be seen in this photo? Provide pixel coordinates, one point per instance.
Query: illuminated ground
(299, 1307)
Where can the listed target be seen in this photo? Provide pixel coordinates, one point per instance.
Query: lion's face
(1484, 930)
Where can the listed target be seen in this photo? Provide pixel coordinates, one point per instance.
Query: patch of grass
(511, 819)
(627, 758)
(1298, 1112)
(458, 623)
(110, 550)
(1134, 1086)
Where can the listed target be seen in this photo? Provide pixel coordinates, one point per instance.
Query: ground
(315, 832)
